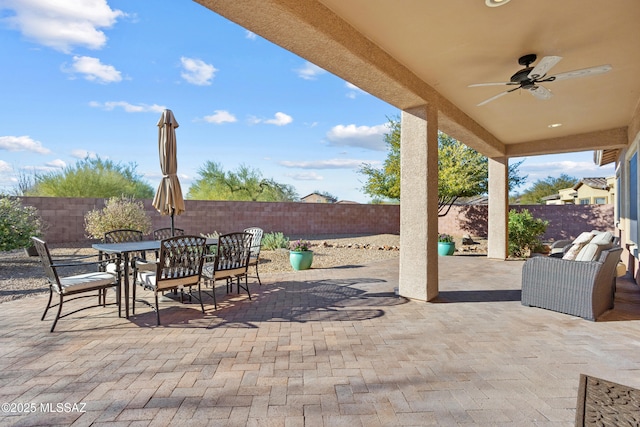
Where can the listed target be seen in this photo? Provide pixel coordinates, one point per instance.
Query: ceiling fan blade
(493, 84)
(582, 73)
(486, 101)
(543, 67)
(541, 92)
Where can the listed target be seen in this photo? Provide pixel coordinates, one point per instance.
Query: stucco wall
(65, 218)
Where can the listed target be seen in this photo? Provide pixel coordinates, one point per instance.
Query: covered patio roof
(415, 52)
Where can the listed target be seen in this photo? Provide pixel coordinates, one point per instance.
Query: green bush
(118, 213)
(272, 241)
(18, 224)
(525, 232)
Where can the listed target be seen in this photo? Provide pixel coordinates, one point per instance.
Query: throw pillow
(577, 245)
(602, 238)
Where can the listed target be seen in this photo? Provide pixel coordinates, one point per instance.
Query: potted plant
(300, 256)
(446, 245)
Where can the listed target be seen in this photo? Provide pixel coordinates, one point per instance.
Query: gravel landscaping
(22, 276)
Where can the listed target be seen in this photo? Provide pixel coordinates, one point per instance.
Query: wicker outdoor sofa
(579, 286)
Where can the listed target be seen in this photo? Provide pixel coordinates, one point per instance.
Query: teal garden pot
(300, 260)
(446, 248)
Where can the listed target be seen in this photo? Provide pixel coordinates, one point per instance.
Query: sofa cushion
(591, 252)
(577, 245)
(602, 238)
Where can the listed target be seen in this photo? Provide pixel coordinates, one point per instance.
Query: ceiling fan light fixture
(496, 3)
(554, 125)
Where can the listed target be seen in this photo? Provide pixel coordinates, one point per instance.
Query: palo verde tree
(462, 171)
(92, 177)
(245, 183)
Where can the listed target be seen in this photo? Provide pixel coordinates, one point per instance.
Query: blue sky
(87, 78)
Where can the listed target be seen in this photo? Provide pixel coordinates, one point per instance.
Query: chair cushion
(577, 245)
(592, 250)
(148, 280)
(86, 281)
(602, 238)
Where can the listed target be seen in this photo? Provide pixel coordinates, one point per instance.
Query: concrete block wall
(65, 218)
(565, 221)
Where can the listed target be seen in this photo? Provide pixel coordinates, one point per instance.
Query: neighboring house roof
(347, 202)
(598, 182)
(551, 197)
(318, 195)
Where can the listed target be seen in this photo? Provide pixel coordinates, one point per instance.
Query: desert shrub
(118, 212)
(18, 223)
(525, 232)
(272, 241)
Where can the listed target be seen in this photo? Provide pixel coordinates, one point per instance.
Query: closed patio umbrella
(168, 199)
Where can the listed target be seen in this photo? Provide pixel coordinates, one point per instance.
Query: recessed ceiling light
(495, 3)
(555, 125)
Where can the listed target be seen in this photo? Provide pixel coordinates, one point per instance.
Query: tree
(546, 187)
(245, 183)
(92, 178)
(462, 171)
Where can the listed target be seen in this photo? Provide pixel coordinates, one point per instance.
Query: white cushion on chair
(602, 238)
(85, 281)
(577, 245)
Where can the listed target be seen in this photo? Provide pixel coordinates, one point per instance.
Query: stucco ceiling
(412, 52)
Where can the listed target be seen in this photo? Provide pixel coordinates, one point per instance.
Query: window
(600, 201)
(584, 201)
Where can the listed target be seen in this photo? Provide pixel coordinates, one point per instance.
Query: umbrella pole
(173, 228)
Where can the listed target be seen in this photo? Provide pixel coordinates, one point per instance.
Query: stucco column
(419, 204)
(498, 208)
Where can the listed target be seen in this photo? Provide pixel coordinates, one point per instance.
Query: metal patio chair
(256, 243)
(230, 263)
(179, 267)
(78, 285)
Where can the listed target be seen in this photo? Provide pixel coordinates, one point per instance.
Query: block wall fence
(64, 218)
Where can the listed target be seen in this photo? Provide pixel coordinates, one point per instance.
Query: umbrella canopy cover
(168, 199)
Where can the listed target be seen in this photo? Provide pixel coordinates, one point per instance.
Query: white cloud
(22, 143)
(353, 90)
(306, 176)
(251, 35)
(93, 70)
(220, 116)
(196, 71)
(62, 25)
(309, 71)
(280, 119)
(328, 164)
(127, 107)
(370, 137)
(5, 167)
(57, 163)
(83, 154)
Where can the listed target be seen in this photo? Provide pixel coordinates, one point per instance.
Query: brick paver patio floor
(322, 347)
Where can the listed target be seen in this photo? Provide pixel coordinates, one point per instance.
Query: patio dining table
(123, 252)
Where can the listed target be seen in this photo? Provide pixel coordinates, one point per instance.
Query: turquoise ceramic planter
(300, 260)
(446, 248)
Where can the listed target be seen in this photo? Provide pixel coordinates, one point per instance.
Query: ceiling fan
(529, 78)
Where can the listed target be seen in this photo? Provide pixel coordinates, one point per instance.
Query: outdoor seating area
(121, 263)
(581, 283)
(323, 347)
